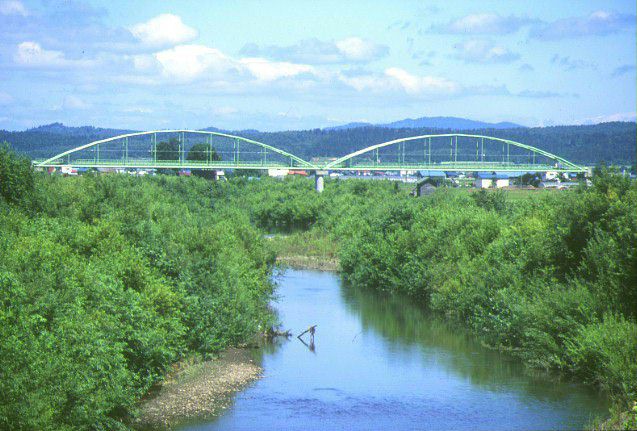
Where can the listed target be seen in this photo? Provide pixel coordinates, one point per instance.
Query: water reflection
(405, 325)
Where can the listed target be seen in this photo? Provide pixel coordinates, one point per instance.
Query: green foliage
(203, 152)
(16, 176)
(551, 278)
(110, 281)
(490, 200)
(113, 278)
(606, 352)
(276, 205)
(168, 151)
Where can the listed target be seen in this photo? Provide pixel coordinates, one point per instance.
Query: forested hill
(49, 140)
(609, 142)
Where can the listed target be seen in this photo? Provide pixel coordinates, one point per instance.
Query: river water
(380, 362)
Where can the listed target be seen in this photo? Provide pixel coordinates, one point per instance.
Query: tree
(530, 179)
(168, 150)
(16, 175)
(203, 152)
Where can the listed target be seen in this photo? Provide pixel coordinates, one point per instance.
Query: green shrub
(16, 176)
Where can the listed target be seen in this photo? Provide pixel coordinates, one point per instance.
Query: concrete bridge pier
(318, 180)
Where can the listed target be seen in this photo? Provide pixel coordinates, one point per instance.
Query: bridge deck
(436, 167)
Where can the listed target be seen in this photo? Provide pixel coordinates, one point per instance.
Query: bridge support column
(318, 180)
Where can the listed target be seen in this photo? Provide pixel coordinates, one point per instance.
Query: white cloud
(360, 50)
(484, 23)
(187, 62)
(13, 7)
(265, 70)
(483, 51)
(421, 84)
(395, 78)
(31, 54)
(163, 30)
(145, 62)
(619, 116)
(315, 51)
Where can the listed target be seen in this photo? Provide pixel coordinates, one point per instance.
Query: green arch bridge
(197, 149)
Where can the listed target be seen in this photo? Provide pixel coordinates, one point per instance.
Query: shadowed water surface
(379, 362)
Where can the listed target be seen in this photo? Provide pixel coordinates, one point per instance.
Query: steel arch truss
(453, 152)
(219, 151)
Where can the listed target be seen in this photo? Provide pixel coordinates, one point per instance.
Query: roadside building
(218, 175)
(550, 175)
(424, 188)
(426, 173)
(485, 180)
(68, 170)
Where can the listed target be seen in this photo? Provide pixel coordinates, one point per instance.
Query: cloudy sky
(293, 64)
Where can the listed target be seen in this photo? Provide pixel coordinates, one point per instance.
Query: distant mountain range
(61, 129)
(453, 123)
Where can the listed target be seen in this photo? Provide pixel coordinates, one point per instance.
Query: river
(380, 362)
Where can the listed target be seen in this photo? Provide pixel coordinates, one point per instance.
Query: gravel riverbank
(198, 391)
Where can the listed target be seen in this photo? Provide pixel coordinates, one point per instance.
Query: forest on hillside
(613, 143)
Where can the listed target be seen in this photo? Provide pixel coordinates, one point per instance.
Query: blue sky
(280, 65)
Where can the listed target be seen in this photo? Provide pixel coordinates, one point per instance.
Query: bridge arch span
(260, 159)
(503, 162)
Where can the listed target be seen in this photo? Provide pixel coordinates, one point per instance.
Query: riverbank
(312, 249)
(194, 391)
(308, 262)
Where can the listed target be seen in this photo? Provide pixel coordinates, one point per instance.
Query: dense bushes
(553, 279)
(276, 205)
(108, 280)
(16, 176)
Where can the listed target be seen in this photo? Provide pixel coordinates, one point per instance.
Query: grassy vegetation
(307, 249)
